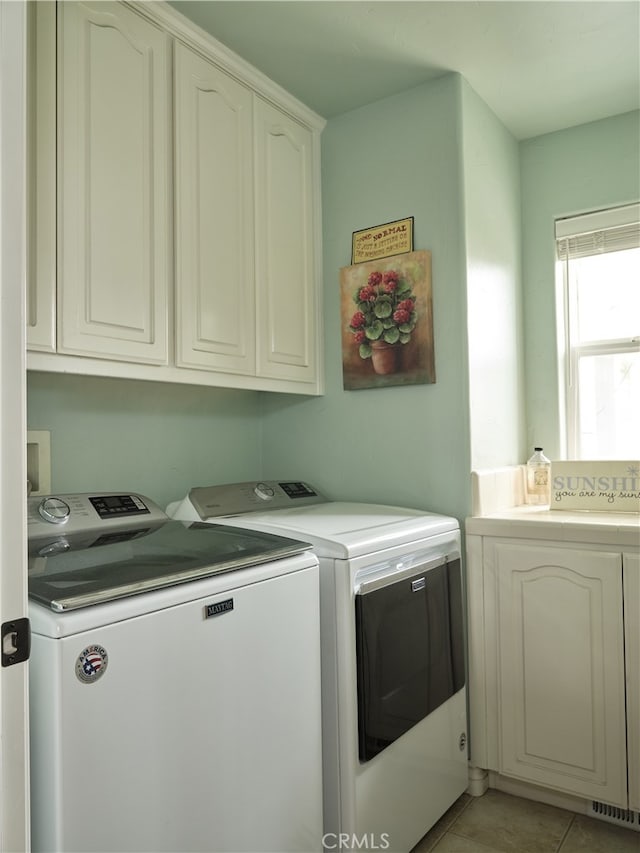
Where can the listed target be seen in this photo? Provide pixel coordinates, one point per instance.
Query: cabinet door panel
(561, 669)
(114, 178)
(285, 265)
(215, 304)
(632, 649)
(41, 177)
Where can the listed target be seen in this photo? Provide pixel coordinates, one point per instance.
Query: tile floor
(501, 823)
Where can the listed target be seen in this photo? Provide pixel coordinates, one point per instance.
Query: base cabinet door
(215, 305)
(114, 179)
(631, 576)
(285, 263)
(561, 669)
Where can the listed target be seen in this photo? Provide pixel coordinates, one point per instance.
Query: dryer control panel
(253, 496)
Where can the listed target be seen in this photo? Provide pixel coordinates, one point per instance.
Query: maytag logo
(218, 608)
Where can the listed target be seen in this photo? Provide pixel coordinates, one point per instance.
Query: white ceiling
(541, 66)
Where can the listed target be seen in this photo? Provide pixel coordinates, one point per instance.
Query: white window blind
(596, 233)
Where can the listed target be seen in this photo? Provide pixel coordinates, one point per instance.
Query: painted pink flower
(367, 294)
(406, 305)
(401, 316)
(360, 337)
(390, 286)
(358, 320)
(374, 279)
(390, 276)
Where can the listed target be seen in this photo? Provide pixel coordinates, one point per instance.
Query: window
(599, 265)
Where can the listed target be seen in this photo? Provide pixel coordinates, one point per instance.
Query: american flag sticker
(91, 664)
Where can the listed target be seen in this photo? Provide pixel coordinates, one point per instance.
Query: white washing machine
(393, 671)
(174, 682)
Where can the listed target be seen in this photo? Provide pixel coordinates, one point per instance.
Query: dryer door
(409, 644)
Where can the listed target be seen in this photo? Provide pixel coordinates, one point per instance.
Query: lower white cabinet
(561, 668)
(554, 650)
(631, 580)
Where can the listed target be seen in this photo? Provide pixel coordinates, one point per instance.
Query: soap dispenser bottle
(538, 478)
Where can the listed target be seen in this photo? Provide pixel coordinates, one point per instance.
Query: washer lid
(68, 572)
(345, 530)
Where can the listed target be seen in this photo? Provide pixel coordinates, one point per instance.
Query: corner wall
(494, 286)
(407, 445)
(436, 152)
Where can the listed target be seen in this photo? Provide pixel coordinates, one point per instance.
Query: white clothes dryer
(392, 649)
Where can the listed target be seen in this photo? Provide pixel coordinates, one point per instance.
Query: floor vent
(612, 814)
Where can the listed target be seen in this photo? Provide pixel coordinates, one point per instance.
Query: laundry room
(475, 209)
(480, 199)
(178, 339)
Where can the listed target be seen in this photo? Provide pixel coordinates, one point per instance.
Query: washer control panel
(238, 498)
(108, 506)
(78, 513)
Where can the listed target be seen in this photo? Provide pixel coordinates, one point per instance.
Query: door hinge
(16, 641)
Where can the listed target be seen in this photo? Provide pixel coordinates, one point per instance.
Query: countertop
(619, 529)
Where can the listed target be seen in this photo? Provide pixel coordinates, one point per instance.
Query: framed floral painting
(387, 322)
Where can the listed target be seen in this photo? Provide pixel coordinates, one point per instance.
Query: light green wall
(158, 439)
(494, 286)
(437, 153)
(569, 172)
(408, 445)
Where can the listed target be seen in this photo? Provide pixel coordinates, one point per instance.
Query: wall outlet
(39, 462)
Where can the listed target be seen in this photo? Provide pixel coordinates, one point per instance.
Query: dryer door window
(409, 644)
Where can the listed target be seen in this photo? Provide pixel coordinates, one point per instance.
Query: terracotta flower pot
(384, 357)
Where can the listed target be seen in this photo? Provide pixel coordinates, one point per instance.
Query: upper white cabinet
(186, 224)
(285, 263)
(114, 177)
(41, 177)
(215, 305)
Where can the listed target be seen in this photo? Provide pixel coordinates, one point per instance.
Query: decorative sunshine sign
(600, 486)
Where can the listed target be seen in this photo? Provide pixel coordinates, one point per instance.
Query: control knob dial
(264, 492)
(54, 510)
